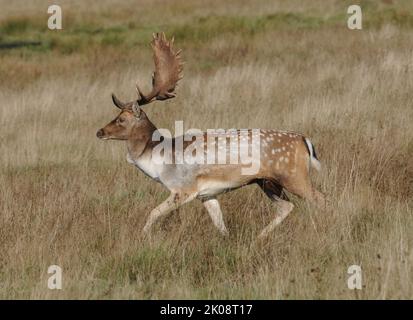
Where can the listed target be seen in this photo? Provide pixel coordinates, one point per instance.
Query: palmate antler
(168, 68)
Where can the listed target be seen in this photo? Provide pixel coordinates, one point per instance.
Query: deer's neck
(140, 146)
(140, 142)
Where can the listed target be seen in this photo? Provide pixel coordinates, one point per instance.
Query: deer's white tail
(314, 163)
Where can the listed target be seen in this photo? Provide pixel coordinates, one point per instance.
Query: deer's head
(132, 120)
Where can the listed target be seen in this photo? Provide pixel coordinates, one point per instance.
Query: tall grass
(68, 199)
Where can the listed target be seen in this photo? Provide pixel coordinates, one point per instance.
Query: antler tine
(117, 102)
(138, 91)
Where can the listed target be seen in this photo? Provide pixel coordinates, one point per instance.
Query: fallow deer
(285, 158)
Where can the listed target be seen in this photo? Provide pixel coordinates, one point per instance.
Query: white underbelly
(215, 187)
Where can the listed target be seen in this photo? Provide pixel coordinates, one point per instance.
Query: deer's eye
(120, 120)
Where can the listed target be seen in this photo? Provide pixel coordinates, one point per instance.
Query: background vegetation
(67, 198)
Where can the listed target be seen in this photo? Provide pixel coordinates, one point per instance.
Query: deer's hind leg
(301, 186)
(275, 192)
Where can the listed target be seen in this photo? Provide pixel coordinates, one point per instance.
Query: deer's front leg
(173, 202)
(214, 210)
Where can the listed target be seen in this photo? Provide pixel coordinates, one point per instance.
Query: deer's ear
(117, 102)
(137, 111)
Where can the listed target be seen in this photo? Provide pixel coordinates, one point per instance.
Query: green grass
(78, 36)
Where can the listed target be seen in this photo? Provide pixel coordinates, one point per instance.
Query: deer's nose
(100, 133)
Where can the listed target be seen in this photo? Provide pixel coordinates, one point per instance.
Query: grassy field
(67, 198)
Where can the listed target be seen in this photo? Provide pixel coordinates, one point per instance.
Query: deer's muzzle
(100, 134)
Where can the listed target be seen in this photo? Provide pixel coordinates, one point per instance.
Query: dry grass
(68, 199)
